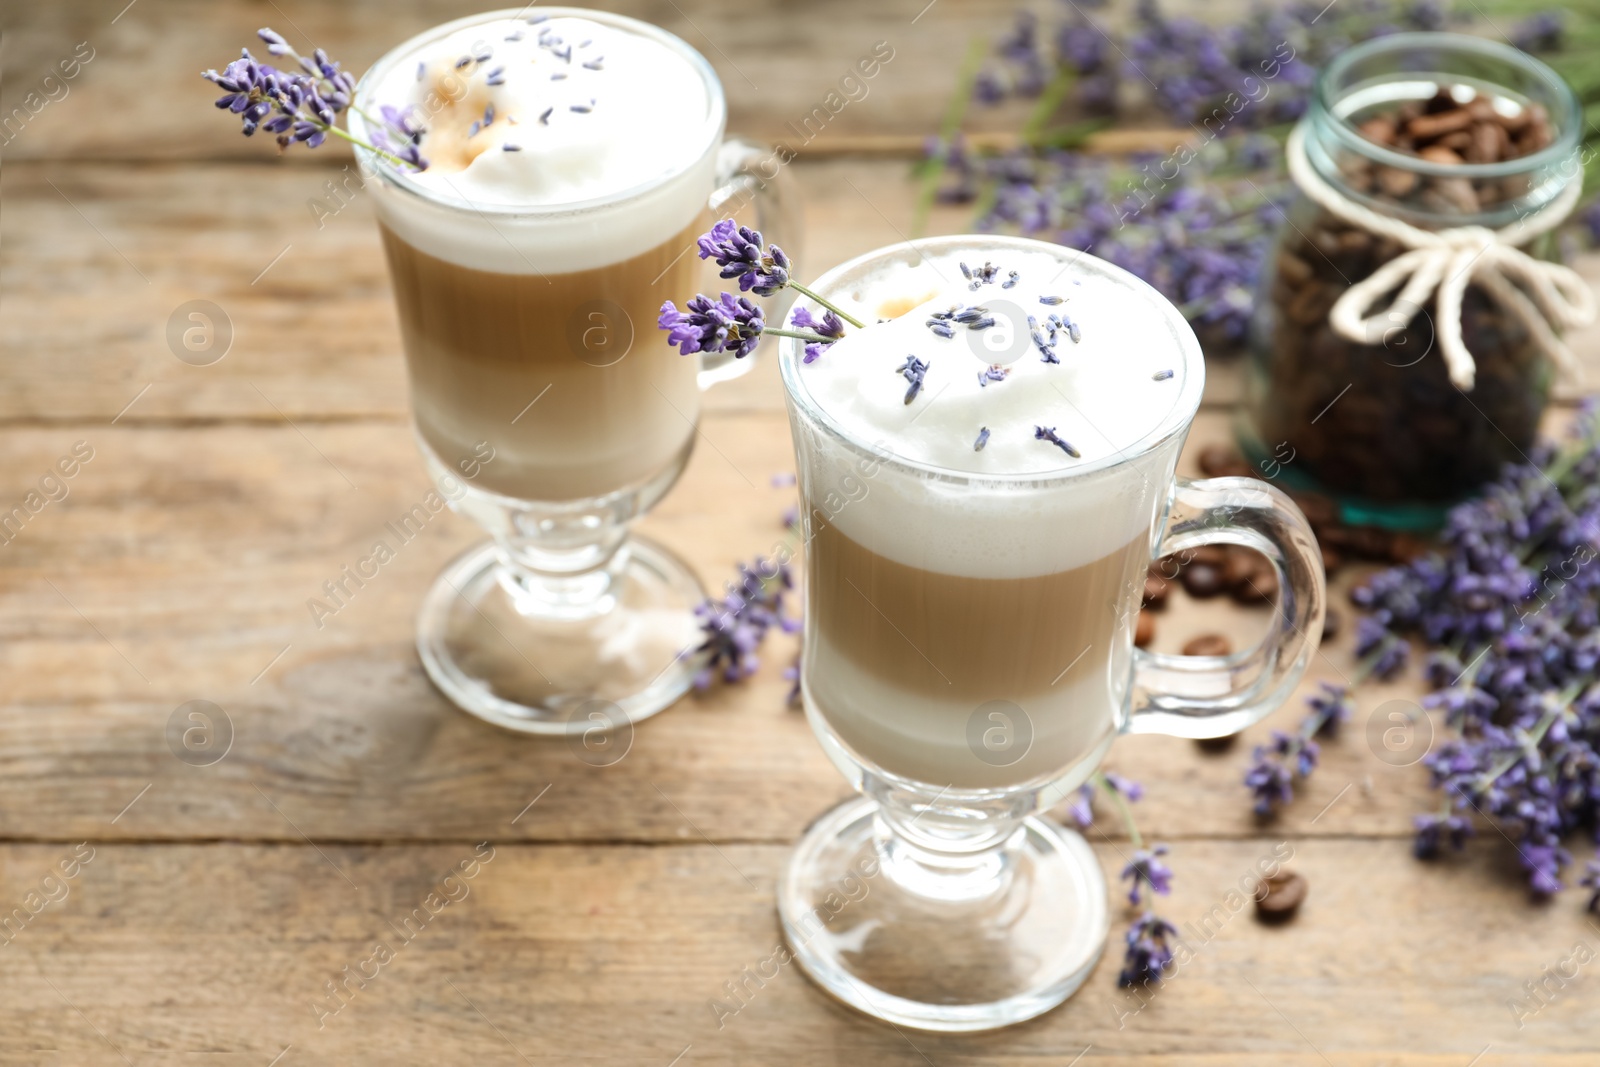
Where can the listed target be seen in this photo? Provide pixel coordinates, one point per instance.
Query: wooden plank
(179, 568)
(97, 260)
(616, 955)
(307, 301)
(777, 64)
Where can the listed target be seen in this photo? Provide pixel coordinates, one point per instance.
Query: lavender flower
(829, 326)
(983, 439)
(728, 323)
(1144, 869)
(915, 370)
(735, 627)
(1048, 433)
(1510, 606)
(739, 251)
(301, 107)
(1149, 953)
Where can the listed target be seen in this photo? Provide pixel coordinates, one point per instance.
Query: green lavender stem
(846, 316)
(1124, 811)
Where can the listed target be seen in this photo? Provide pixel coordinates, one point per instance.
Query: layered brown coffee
(549, 367)
(981, 475)
(569, 164)
(985, 660)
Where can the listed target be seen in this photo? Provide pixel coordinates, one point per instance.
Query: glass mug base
(982, 961)
(525, 671)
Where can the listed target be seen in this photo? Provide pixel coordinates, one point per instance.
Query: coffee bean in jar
(1436, 131)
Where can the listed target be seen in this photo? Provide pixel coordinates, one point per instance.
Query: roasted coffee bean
(1405, 547)
(1207, 645)
(1332, 621)
(1379, 128)
(1260, 587)
(1144, 631)
(1239, 565)
(1214, 745)
(1156, 591)
(1204, 580)
(1280, 896)
(1430, 127)
(1213, 555)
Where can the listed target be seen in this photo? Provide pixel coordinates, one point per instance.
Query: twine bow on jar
(1543, 296)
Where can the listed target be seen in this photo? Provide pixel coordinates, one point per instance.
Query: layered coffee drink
(981, 493)
(569, 164)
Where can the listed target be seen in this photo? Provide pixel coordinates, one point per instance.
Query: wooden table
(219, 901)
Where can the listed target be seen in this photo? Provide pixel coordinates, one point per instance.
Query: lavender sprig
(829, 328)
(302, 107)
(1148, 953)
(764, 269)
(1510, 607)
(734, 627)
(728, 323)
(735, 323)
(1288, 757)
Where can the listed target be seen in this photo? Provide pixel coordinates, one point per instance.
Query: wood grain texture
(306, 295)
(778, 63)
(181, 564)
(177, 567)
(616, 955)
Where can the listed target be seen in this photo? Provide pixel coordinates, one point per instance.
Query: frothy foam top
(544, 112)
(1080, 353)
(1110, 398)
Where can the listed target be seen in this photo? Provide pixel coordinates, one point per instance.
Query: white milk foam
(581, 111)
(1109, 397)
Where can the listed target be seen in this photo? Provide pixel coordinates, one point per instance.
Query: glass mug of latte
(573, 156)
(986, 474)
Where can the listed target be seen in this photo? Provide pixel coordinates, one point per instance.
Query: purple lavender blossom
(734, 628)
(830, 326)
(727, 323)
(1048, 433)
(739, 251)
(1145, 869)
(915, 371)
(1510, 606)
(301, 107)
(1148, 953)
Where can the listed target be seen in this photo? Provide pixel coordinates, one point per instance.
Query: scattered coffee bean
(1280, 896)
(1203, 580)
(1213, 745)
(1211, 555)
(1405, 547)
(1144, 631)
(1156, 591)
(1207, 645)
(1239, 565)
(1260, 587)
(1331, 623)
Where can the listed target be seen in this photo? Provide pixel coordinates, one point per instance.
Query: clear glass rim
(710, 132)
(1175, 423)
(1328, 92)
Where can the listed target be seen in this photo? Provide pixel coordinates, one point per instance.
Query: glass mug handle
(1213, 696)
(747, 174)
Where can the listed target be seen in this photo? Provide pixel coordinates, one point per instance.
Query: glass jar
(1380, 426)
